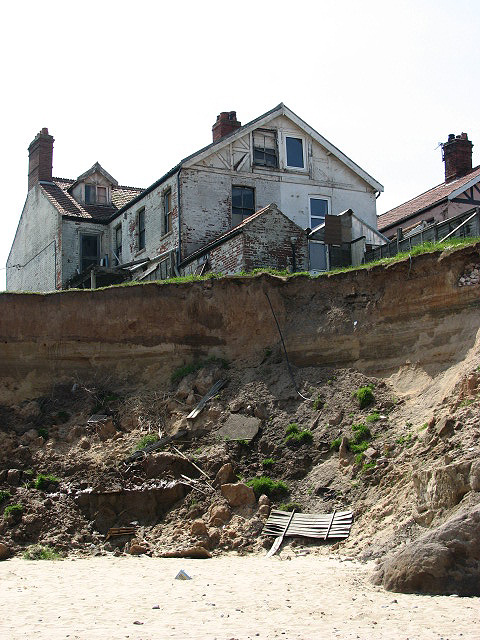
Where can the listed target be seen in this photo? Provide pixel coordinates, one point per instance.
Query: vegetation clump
(43, 432)
(335, 444)
(145, 440)
(290, 506)
(268, 462)
(365, 396)
(268, 486)
(39, 552)
(42, 481)
(296, 437)
(318, 403)
(4, 495)
(361, 438)
(373, 417)
(13, 511)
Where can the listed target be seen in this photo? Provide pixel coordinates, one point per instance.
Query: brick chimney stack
(40, 156)
(457, 155)
(225, 124)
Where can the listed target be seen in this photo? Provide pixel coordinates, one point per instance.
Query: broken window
(141, 229)
(243, 204)
(118, 244)
(167, 211)
(89, 250)
(265, 148)
(318, 211)
(294, 147)
(95, 194)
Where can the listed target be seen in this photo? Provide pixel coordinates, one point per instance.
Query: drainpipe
(179, 253)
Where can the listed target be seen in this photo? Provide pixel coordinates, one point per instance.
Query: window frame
(243, 208)
(167, 214)
(118, 248)
(310, 215)
(82, 257)
(141, 234)
(274, 134)
(304, 157)
(94, 187)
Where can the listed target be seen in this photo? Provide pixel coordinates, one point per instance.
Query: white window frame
(304, 151)
(93, 184)
(317, 196)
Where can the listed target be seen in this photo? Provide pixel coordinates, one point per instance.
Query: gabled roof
(429, 199)
(96, 168)
(57, 192)
(235, 231)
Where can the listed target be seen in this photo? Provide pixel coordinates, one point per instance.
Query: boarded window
(243, 204)
(265, 148)
(141, 229)
(294, 148)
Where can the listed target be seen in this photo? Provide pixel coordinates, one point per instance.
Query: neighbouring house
(262, 194)
(457, 195)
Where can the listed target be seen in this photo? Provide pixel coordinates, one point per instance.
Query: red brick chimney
(40, 155)
(457, 155)
(226, 123)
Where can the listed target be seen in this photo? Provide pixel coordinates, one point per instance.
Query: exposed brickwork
(457, 155)
(40, 156)
(225, 124)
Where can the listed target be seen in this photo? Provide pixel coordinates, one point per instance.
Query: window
(265, 148)
(243, 204)
(95, 194)
(318, 211)
(118, 244)
(167, 211)
(294, 148)
(141, 229)
(89, 250)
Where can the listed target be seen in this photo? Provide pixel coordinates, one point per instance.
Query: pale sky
(138, 85)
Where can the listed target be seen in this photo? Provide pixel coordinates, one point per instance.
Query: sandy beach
(289, 597)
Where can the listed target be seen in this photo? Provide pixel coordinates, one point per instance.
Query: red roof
(67, 206)
(424, 200)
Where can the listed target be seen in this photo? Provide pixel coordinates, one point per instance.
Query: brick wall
(228, 258)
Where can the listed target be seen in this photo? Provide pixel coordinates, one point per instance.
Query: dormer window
(95, 194)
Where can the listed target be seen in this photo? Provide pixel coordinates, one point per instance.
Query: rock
(441, 487)
(343, 452)
(160, 464)
(371, 453)
(264, 510)
(239, 427)
(14, 477)
(475, 476)
(214, 536)
(190, 399)
(137, 549)
(196, 552)
(336, 419)
(260, 411)
(220, 513)
(444, 561)
(106, 429)
(238, 494)
(84, 443)
(4, 551)
(225, 475)
(445, 426)
(265, 446)
(29, 436)
(198, 528)
(264, 500)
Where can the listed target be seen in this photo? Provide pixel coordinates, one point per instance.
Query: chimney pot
(226, 123)
(457, 155)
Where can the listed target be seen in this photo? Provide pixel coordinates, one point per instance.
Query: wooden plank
(330, 525)
(278, 542)
(208, 396)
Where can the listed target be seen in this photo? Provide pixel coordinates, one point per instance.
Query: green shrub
(290, 506)
(43, 480)
(292, 428)
(145, 440)
(4, 495)
(301, 437)
(318, 403)
(39, 552)
(407, 440)
(268, 462)
(358, 448)
(359, 458)
(361, 432)
(373, 417)
(13, 510)
(364, 396)
(369, 465)
(335, 444)
(268, 486)
(43, 432)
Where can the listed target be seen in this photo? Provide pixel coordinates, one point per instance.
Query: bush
(268, 462)
(290, 506)
(361, 432)
(268, 486)
(13, 510)
(369, 465)
(301, 437)
(364, 396)
(373, 417)
(38, 552)
(43, 432)
(4, 495)
(292, 428)
(335, 444)
(43, 480)
(144, 441)
(318, 403)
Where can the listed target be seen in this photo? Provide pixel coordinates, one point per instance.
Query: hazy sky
(138, 85)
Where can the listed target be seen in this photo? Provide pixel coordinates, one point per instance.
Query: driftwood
(208, 396)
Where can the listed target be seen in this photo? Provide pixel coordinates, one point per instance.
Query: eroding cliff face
(377, 320)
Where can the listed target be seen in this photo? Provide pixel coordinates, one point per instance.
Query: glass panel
(236, 197)
(236, 218)
(102, 195)
(248, 199)
(90, 194)
(294, 152)
(318, 207)
(318, 256)
(314, 222)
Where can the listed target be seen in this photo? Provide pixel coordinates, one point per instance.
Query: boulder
(14, 477)
(219, 513)
(239, 427)
(137, 549)
(225, 475)
(238, 494)
(335, 420)
(198, 528)
(444, 561)
(4, 551)
(264, 500)
(445, 427)
(106, 429)
(441, 487)
(343, 452)
(164, 463)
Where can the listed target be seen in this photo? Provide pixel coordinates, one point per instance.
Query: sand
(305, 597)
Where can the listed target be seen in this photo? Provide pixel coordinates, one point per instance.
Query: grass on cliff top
(426, 247)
